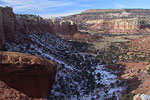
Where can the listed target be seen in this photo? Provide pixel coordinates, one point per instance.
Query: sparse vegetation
(148, 71)
(127, 97)
(135, 77)
(139, 70)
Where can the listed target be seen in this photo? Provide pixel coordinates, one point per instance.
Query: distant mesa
(113, 20)
(116, 10)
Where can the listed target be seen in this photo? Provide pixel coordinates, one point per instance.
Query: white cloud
(35, 5)
(43, 7)
(119, 6)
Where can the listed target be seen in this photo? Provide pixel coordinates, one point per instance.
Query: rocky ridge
(113, 20)
(134, 56)
(25, 77)
(133, 11)
(13, 25)
(115, 25)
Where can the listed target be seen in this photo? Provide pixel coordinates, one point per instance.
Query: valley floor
(130, 51)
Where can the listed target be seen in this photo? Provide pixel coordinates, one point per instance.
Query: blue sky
(47, 8)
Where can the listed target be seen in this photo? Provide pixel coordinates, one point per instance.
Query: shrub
(135, 77)
(139, 70)
(148, 71)
(127, 97)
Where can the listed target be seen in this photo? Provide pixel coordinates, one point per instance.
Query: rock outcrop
(9, 23)
(2, 37)
(140, 44)
(64, 27)
(31, 23)
(141, 97)
(8, 93)
(25, 76)
(113, 20)
(12, 25)
(116, 25)
(117, 12)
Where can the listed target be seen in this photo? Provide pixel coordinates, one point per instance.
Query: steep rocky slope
(2, 36)
(12, 25)
(140, 45)
(24, 76)
(134, 56)
(113, 20)
(139, 51)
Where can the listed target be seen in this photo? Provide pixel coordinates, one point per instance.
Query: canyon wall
(25, 77)
(113, 20)
(132, 12)
(12, 25)
(2, 37)
(115, 25)
(32, 23)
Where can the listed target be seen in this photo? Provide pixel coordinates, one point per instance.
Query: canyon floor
(104, 40)
(130, 51)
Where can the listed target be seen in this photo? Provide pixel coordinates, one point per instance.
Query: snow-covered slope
(79, 76)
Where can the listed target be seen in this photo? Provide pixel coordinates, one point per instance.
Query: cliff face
(24, 76)
(2, 37)
(131, 12)
(113, 20)
(9, 23)
(12, 25)
(31, 23)
(116, 25)
(64, 27)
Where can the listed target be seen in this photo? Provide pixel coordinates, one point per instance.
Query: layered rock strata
(115, 25)
(12, 25)
(113, 20)
(24, 76)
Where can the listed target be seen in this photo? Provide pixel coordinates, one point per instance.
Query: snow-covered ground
(78, 76)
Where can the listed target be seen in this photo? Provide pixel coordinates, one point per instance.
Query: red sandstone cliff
(131, 25)
(12, 25)
(2, 36)
(25, 77)
(31, 23)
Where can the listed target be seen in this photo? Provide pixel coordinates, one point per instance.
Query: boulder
(25, 75)
(8, 93)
